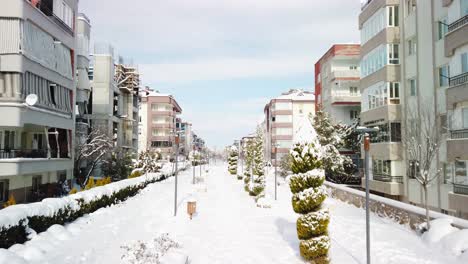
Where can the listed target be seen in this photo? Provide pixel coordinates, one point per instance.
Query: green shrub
(135, 174)
(239, 177)
(308, 200)
(257, 190)
(246, 188)
(312, 224)
(315, 249)
(13, 235)
(300, 182)
(246, 179)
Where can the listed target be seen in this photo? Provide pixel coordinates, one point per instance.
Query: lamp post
(177, 139)
(276, 171)
(366, 131)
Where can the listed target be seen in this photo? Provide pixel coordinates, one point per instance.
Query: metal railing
(23, 153)
(459, 79)
(459, 23)
(387, 178)
(458, 134)
(460, 189)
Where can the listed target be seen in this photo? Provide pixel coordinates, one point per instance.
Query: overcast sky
(223, 59)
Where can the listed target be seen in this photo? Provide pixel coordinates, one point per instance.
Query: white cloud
(225, 68)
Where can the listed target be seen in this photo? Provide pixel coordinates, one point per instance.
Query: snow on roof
(297, 94)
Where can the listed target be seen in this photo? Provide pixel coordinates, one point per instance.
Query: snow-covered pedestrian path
(228, 228)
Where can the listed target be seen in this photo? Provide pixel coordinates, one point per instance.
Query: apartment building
(37, 57)
(337, 83)
(455, 42)
(413, 59)
(283, 114)
(83, 89)
(158, 114)
(128, 82)
(185, 136)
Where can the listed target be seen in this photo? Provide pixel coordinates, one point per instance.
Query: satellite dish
(31, 99)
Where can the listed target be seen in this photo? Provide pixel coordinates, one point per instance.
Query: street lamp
(177, 139)
(366, 131)
(276, 170)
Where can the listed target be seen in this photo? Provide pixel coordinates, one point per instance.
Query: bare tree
(90, 151)
(422, 143)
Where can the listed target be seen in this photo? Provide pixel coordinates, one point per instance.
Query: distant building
(282, 118)
(337, 83)
(158, 114)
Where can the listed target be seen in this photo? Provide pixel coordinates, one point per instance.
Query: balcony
(388, 178)
(458, 90)
(457, 145)
(23, 153)
(390, 112)
(390, 188)
(457, 35)
(458, 199)
(345, 98)
(345, 75)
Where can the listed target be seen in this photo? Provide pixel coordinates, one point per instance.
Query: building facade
(37, 57)
(412, 74)
(283, 114)
(158, 114)
(337, 83)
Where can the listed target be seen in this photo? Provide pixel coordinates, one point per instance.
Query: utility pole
(176, 173)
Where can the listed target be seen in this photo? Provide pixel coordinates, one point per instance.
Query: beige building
(283, 115)
(412, 69)
(37, 56)
(158, 113)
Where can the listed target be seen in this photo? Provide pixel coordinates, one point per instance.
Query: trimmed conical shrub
(232, 160)
(306, 184)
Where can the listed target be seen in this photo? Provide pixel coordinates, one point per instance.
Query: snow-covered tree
(232, 160)
(256, 165)
(306, 184)
(89, 152)
(148, 161)
(119, 165)
(331, 137)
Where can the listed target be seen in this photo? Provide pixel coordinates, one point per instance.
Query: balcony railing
(23, 153)
(459, 79)
(459, 23)
(460, 189)
(459, 134)
(388, 178)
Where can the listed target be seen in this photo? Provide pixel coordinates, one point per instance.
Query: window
(61, 176)
(413, 169)
(38, 141)
(284, 144)
(465, 117)
(281, 131)
(36, 183)
(444, 76)
(393, 16)
(413, 87)
(9, 140)
(464, 62)
(161, 144)
(282, 106)
(65, 13)
(393, 54)
(4, 190)
(381, 167)
(395, 132)
(461, 172)
(410, 6)
(353, 67)
(52, 94)
(394, 89)
(375, 24)
(464, 7)
(353, 114)
(353, 91)
(411, 47)
(442, 28)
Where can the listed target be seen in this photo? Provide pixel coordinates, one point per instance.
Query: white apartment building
(337, 83)
(283, 115)
(37, 56)
(413, 58)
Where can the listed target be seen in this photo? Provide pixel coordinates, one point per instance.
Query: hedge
(18, 234)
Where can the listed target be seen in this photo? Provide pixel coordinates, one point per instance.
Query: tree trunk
(426, 205)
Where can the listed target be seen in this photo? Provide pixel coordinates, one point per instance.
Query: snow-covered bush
(148, 161)
(154, 251)
(309, 194)
(232, 160)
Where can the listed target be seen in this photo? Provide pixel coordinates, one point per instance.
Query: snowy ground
(228, 228)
